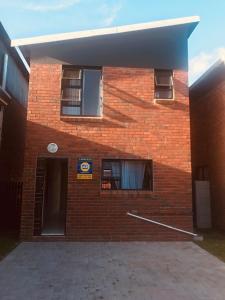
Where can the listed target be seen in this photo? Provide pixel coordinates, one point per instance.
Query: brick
(133, 126)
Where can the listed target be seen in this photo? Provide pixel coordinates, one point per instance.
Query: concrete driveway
(137, 270)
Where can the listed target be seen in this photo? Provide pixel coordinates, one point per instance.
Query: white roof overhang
(161, 44)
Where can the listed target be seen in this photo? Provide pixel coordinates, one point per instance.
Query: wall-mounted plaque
(84, 168)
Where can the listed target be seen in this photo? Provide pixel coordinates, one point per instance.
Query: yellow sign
(84, 176)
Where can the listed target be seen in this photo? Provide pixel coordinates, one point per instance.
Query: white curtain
(132, 175)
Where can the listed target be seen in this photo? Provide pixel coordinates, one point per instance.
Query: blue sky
(25, 18)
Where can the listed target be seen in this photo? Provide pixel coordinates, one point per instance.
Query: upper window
(81, 93)
(163, 84)
(120, 174)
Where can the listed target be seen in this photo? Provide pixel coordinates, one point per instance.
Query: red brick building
(108, 132)
(207, 97)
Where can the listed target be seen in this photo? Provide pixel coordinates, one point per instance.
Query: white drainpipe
(196, 236)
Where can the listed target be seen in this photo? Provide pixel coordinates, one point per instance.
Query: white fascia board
(212, 68)
(103, 31)
(20, 54)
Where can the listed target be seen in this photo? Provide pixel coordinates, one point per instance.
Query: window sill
(77, 118)
(136, 192)
(164, 101)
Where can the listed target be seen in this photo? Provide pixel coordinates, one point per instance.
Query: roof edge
(104, 31)
(17, 55)
(212, 68)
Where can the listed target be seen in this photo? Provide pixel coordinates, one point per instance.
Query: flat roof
(140, 45)
(105, 31)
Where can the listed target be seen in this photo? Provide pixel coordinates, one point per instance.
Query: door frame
(46, 157)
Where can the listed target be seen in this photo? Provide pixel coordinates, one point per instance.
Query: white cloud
(201, 62)
(50, 5)
(103, 12)
(109, 12)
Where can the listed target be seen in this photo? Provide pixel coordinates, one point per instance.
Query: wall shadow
(102, 214)
(128, 97)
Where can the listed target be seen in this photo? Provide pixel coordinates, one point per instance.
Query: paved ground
(74, 271)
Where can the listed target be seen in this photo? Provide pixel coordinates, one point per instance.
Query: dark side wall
(11, 165)
(14, 96)
(208, 140)
(132, 126)
(12, 142)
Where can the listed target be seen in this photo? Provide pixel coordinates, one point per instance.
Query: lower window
(120, 174)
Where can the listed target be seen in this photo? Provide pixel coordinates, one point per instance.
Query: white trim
(160, 100)
(103, 31)
(4, 102)
(80, 117)
(4, 77)
(207, 72)
(23, 59)
(52, 234)
(7, 94)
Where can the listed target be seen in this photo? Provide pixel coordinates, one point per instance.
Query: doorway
(50, 196)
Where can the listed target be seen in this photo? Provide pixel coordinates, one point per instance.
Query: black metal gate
(10, 205)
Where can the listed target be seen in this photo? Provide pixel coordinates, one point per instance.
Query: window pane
(132, 174)
(127, 174)
(111, 168)
(72, 73)
(71, 110)
(111, 175)
(163, 77)
(83, 85)
(163, 94)
(71, 83)
(106, 184)
(163, 84)
(70, 103)
(110, 184)
(107, 173)
(91, 93)
(71, 93)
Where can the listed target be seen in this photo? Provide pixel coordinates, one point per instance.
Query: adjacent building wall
(13, 101)
(208, 138)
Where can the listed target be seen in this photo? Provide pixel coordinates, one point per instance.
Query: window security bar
(196, 236)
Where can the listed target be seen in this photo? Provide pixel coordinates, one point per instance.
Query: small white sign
(52, 148)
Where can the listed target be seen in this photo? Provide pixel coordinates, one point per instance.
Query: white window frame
(164, 85)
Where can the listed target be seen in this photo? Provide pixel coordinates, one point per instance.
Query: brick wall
(208, 143)
(133, 126)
